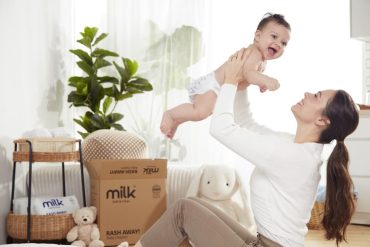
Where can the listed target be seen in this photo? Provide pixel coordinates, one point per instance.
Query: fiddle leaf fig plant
(100, 92)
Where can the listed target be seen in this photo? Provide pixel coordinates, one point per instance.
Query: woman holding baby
(286, 175)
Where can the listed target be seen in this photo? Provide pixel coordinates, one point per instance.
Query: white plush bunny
(220, 185)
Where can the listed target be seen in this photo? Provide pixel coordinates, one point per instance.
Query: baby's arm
(252, 73)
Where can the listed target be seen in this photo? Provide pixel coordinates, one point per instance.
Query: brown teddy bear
(85, 233)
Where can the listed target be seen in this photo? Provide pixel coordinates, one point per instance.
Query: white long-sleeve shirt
(286, 175)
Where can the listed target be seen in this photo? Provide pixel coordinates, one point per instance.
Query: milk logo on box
(150, 170)
(123, 192)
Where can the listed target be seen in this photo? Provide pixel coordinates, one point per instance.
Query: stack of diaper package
(46, 205)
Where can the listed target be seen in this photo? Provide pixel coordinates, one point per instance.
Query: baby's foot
(125, 244)
(168, 125)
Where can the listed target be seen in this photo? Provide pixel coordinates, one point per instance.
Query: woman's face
(310, 108)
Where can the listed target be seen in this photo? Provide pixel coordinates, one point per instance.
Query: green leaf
(103, 53)
(117, 126)
(114, 117)
(100, 38)
(98, 121)
(96, 95)
(74, 83)
(82, 88)
(140, 83)
(82, 134)
(84, 56)
(133, 90)
(122, 72)
(112, 92)
(80, 83)
(86, 67)
(124, 77)
(111, 79)
(76, 99)
(85, 122)
(76, 79)
(90, 32)
(79, 122)
(106, 104)
(131, 66)
(100, 63)
(85, 41)
(124, 96)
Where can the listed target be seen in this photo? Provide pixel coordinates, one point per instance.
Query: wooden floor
(357, 236)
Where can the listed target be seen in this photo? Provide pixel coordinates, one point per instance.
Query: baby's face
(272, 40)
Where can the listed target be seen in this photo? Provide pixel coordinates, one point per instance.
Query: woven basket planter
(43, 227)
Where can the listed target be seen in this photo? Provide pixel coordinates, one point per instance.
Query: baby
(270, 39)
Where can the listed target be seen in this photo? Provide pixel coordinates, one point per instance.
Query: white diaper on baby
(203, 84)
(46, 205)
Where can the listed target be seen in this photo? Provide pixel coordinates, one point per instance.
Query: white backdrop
(320, 55)
(34, 65)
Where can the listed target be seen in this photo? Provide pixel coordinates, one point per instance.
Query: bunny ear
(193, 190)
(237, 184)
(246, 214)
(243, 193)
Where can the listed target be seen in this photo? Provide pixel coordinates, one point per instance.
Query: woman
(285, 179)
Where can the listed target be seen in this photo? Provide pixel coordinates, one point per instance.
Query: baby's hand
(270, 84)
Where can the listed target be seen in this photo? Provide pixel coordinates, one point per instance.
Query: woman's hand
(234, 68)
(242, 85)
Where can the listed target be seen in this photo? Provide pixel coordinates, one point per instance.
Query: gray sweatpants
(204, 224)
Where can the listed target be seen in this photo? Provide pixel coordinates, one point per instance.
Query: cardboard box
(130, 196)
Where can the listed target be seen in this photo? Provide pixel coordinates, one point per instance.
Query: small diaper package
(46, 205)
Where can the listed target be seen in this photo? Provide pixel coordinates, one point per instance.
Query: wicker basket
(48, 144)
(47, 150)
(317, 213)
(43, 227)
(46, 156)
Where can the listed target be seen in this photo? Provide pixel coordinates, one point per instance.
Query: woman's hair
(339, 203)
(269, 17)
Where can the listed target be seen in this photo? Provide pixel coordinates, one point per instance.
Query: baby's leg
(201, 108)
(203, 105)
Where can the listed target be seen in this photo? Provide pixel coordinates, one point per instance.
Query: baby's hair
(269, 17)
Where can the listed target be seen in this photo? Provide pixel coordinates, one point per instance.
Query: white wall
(34, 67)
(366, 75)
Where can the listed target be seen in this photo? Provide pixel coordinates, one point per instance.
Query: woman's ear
(322, 121)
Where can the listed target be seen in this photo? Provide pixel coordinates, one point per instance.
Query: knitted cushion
(113, 144)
